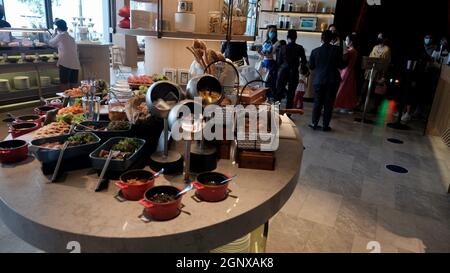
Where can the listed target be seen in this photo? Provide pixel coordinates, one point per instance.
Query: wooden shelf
(296, 13)
(183, 35)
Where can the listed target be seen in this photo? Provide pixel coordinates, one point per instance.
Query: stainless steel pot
(162, 97)
(205, 83)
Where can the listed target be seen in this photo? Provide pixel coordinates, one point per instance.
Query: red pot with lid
(20, 129)
(161, 203)
(135, 183)
(210, 187)
(13, 151)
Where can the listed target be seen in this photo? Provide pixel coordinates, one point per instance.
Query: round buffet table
(49, 216)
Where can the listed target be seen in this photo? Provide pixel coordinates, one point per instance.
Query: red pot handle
(121, 185)
(198, 186)
(146, 204)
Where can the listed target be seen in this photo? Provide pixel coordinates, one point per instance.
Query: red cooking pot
(13, 151)
(209, 186)
(30, 118)
(43, 110)
(162, 210)
(20, 129)
(135, 192)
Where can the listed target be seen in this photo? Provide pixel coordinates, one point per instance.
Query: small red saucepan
(161, 203)
(43, 110)
(13, 151)
(20, 129)
(212, 186)
(30, 118)
(135, 183)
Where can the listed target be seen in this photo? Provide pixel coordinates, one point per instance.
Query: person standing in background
(291, 57)
(3, 22)
(380, 51)
(5, 37)
(326, 61)
(336, 36)
(346, 98)
(68, 62)
(269, 64)
(235, 51)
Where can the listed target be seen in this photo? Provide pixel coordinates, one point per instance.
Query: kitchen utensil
(13, 151)
(105, 168)
(162, 211)
(208, 189)
(46, 156)
(135, 192)
(185, 190)
(116, 165)
(58, 164)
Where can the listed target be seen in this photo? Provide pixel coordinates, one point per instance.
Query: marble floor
(346, 200)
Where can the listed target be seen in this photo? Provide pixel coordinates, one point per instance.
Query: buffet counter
(49, 216)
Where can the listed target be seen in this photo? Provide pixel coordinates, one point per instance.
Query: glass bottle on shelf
(287, 23)
(291, 7)
(282, 5)
(281, 22)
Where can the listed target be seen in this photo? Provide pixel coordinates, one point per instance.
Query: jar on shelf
(143, 14)
(214, 21)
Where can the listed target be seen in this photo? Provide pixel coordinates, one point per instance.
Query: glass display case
(196, 19)
(17, 41)
(27, 65)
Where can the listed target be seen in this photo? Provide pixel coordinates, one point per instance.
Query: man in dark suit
(326, 62)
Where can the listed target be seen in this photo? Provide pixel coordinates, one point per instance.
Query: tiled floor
(346, 199)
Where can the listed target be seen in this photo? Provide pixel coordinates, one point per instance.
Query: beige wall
(169, 53)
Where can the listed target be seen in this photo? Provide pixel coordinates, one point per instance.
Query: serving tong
(101, 182)
(61, 155)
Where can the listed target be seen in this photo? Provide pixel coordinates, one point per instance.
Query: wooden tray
(257, 160)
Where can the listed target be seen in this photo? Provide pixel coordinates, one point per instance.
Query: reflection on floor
(346, 199)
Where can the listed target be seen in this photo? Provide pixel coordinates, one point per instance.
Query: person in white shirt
(68, 62)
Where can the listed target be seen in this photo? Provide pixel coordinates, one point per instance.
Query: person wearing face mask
(380, 51)
(346, 98)
(68, 62)
(336, 36)
(419, 97)
(291, 57)
(269, 64)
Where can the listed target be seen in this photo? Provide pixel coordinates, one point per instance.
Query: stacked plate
(239, 246)
(4, 85)
(22, 83)
(46, 81)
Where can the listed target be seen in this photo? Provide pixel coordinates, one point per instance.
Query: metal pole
(366, 104)
(187, 161)
(166, 137)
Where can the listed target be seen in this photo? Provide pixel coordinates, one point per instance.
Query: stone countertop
(49, 216)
